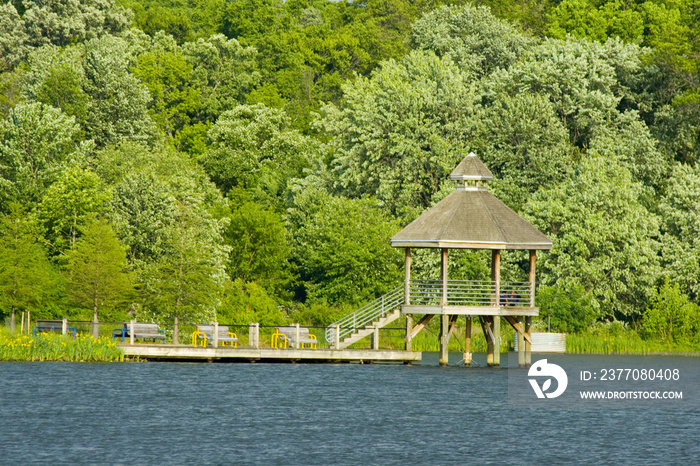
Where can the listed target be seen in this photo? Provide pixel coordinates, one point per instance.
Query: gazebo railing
(470, 293)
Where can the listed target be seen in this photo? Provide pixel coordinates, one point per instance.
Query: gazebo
(471, 218)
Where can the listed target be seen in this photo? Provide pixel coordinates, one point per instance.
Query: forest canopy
(252, 158)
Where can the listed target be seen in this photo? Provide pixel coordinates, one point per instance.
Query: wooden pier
(182, 353)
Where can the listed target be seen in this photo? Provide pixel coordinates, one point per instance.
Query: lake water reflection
(318, 414)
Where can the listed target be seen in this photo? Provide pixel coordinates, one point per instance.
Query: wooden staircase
(363, 322)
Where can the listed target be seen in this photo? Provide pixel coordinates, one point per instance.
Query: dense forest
(251, 158)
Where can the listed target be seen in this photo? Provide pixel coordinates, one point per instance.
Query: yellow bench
(205, 333)
(285, 335)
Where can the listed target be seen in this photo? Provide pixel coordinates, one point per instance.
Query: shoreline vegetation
(46, 347)
(253, 158)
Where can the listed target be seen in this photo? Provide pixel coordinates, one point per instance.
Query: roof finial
(471, 168)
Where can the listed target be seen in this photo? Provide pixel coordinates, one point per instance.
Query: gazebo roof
(471, 168)
(471, 218)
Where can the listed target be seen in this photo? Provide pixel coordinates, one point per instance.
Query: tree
(63, 22)
(224, 72)
(252, 147)
(400, 133)
(187, 281)
(93, 81)
(259, 251)
(96, 272)
(13, 38)
(37, 142)
(77, 196)
(604, 239)
(524, 143)
(671, 317)
(342, 247)
(473, 37)
(585, 81)
(118, 106)
(27, 279)
(680, 226)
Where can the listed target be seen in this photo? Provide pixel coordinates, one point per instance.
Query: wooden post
(528, 345)
(409, 331)
(531, 277)
(443, 276)
(64, 326)
(176, 332)
(21, 326)
(132, 324)
(29, 321)
(407, 278)
(496, 340)
(215, 336)
(486, 327)
(296, 337)
(254, 335)
(521, 344)
(375, 337)
(496, 276)
(468, 341)
(444, 339)
(336, 339)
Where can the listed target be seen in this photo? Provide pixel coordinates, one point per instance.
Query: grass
(55, 347)
(628, 342)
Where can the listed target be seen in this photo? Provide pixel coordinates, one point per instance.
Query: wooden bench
(52, 326)
(286, 335)
(141, 330)
(206, 333)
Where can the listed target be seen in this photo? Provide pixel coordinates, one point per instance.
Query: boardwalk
(180, 353)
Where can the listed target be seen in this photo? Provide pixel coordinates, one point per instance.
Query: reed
(55, 347)
(627, 342)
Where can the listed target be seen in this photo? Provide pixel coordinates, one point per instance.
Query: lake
(168, 413)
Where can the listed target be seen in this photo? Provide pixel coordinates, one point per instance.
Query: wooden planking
(244, 354)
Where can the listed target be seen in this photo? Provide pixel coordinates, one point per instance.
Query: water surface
(316, 414)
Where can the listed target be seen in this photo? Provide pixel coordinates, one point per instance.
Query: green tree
(342, 247)
(244, 303)
(671, 317)
(77, 196)
(224, 72)
(97, 272)
(27, 279)
(572, 310)
(187, 281)
(37, 142)
(472, 36)
(400, 133)
(13, 37)
(680, 226)
(63, 22)
(604, 239)
(253, 147)
(259, 251)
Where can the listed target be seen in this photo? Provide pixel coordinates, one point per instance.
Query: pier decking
(182, 353)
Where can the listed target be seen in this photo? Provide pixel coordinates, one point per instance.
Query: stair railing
(367, 314)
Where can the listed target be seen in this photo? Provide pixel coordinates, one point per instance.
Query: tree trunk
(176, 333)
(13, 322)
(95, 325)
